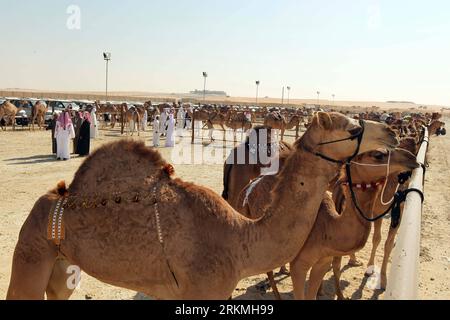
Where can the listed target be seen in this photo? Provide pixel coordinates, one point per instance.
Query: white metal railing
(404, 273)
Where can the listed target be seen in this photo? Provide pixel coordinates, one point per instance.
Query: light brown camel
(128, 223)
(38, 112)
(337, 234)
(110, 109)
(237, 120)
(331, 233)
(132, 118)
(410, 145)
(8, 111)
(278, 122)
(434, 126)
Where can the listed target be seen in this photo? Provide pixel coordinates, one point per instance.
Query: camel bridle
(358, 137)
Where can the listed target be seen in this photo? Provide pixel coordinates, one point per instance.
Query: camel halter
(357, 136)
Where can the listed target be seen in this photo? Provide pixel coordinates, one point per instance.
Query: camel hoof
(370, 270)
(284, 271)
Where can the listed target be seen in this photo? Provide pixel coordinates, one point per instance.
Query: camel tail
(226, 179)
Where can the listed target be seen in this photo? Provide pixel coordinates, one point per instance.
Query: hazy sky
(358, 49)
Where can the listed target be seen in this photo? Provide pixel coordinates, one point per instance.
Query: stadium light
(107, 58)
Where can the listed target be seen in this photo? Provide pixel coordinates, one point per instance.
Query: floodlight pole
(205, 75)
(333, 98)
(282, 97)
(318, 97)
(107, 58)
(257, 91)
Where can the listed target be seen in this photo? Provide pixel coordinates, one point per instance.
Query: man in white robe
(64, 131)
(94, 123)
(180, 119)
(156, 132)
(144, 121)
(170, 139)
(163, 121)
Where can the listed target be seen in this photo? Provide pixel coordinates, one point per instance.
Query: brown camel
(329, 228)
(8, 111)
(237, 120)
(278, 122)
(410, 145)
(337, 234)
(131, 118)
(110, 109)
(38, 112)
(128, 223)
(243, 165)
(434, 126)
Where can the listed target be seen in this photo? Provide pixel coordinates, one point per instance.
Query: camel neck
(275, 239)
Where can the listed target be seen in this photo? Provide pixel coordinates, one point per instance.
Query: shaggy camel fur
(38, 112)
(280, 123)
(410, 145)
(8, 111)
(129, 224)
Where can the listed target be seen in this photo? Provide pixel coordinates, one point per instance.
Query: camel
(38, 112)
(279, 122)
(410, 145)
(110, 109)
(238, 175)
(128, 223)
(8, 111)
(335, 235)
(237, 120)
(132, 117)
(329, 236)
(434, 126)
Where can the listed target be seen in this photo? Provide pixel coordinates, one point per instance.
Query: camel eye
(379, 156)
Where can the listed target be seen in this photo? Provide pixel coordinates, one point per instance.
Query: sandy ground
(27, 171)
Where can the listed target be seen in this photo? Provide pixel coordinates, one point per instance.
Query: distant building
(209, 92)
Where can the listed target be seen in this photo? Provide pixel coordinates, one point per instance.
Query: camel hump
(120, 167)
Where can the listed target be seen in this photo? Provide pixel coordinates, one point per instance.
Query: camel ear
(323, 120)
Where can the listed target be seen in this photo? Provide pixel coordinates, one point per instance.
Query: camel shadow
(142, 297)
(31, 160)
(258, 291)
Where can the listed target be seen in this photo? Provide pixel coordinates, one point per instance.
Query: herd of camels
(127, 221)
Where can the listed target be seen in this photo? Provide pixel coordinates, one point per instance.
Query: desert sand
(28, 170)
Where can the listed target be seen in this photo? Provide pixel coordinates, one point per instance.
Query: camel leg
(354, 262)
(337, 277)
(375, 243)
(138, 127)
(282, 134)
(34, 258)
(299, 270)
(57, 288)
(388, 246)
(273, 285)
(316, 276)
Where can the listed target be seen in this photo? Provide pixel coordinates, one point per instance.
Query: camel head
(330, 134)
(373, 165)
